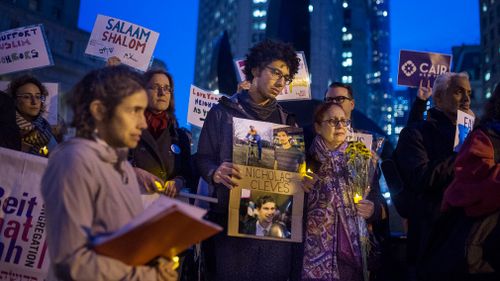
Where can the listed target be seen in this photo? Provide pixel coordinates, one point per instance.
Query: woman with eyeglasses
(332, 248)
(32, 134)
(164, 151)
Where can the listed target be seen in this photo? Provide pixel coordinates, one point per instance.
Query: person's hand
(365, 208)
(424, 93)
(113, 61)
(225, 173)
(309, 179)
(245, 85)
(173, 187)
(149, 182)
(166, 269)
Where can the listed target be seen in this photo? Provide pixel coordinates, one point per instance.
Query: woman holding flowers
(335, 226)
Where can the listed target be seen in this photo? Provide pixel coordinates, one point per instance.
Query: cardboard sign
(131, 43)
(23, 234)
(24, 48)
(200, 103)
(465, 124)
(268, 201)
(51, 103)
(299, 89)
(416, 66)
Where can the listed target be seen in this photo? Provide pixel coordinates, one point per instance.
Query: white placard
(131, 43)
(465, 124)
(51, 103)
(23, 236)
(366, 139)
(299, 89)
(200, 103)
(24, 48)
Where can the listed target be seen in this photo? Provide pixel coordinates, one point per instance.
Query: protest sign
(23, 243)
(416, 66)
(200, 103)
(24, 48)
(131, 43)
(365, 138)
(51, 103)
(299, 89)
(267, 202)
(465, 124)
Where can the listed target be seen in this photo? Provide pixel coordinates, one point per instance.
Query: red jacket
(476, 186)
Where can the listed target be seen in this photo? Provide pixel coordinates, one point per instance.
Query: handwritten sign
(131, 43)
(415, 66)
(22, 217)
(465, 124)
(299, 89)
(24, 48)
(263, 152)
(200, 103)
(51, 103)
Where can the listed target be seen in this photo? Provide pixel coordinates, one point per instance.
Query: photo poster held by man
(268, 201)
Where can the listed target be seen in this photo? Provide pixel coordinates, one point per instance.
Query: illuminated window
(345, 5)
(347, 37)
(487, 76)
(311, 8)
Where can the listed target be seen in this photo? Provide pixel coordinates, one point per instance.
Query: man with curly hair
(270, 65)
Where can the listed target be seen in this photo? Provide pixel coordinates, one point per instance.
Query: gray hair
(443, 81)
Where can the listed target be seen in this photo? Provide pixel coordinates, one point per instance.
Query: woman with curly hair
(33, 134)
(90, 187)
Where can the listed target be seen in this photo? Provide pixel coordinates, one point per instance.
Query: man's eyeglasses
(337, 100)
(277, 74)
(337, 122)
(164, 88)
(28, 97)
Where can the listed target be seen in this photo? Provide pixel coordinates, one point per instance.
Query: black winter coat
(425, 160)
(159, 157)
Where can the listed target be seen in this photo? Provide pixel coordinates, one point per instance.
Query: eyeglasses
(277, 75)
(337, 122)
(28, 97)
(337, 100)
(164, 88)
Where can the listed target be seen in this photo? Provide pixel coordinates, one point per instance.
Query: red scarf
(157, 122)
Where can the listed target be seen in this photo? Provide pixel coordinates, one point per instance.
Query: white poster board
(51, 103)
(200, 103)
(24, 48)
(465, 124)
(299, 89)
(131, 43)
(23, 236)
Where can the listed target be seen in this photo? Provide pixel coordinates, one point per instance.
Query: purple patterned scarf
(332, 245)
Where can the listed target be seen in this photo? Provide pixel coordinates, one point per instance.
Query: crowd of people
(128, 142)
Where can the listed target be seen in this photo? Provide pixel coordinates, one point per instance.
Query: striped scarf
(36, 133)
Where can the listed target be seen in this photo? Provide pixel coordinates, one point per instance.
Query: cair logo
(409, 68)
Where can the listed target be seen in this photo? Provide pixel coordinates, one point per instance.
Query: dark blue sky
(426, 25)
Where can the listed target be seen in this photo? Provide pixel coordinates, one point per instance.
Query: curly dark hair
(109, 85)
(23, 80)
(171, 107)
(492, 107)
(267, 51)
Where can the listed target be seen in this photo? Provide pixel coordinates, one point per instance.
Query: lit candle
(357, 198)
(44, 151)
(176, 262)
(159, 186)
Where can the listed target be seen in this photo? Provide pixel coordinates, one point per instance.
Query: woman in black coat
(164, 150)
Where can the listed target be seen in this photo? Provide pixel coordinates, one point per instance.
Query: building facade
(489, 16)
(349, 42)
